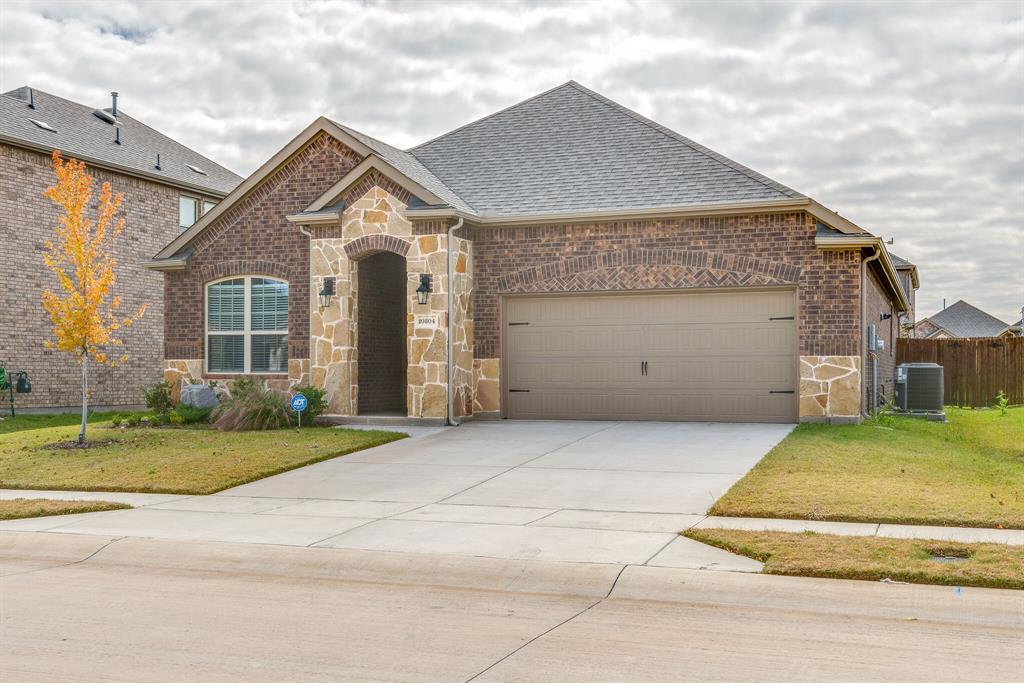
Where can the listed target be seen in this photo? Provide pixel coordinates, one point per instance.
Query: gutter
(864, 326)
(866, 241)
(451, 323)
(619, 213)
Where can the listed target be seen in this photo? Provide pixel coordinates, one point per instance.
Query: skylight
(44, 125)
(196, 169)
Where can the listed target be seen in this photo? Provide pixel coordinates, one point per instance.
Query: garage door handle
(511, 324)
(782, 391)
(518, 391)
(783, 317)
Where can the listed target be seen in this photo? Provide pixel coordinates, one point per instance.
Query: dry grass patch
(969, 472)
(192, 461)
(990, 565)
(20, 508)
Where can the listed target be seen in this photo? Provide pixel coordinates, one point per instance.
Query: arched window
(247, 325)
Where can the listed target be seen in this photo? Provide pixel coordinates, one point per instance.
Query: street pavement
(93, 608)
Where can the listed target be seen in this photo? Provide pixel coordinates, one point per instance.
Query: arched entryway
(381, 334)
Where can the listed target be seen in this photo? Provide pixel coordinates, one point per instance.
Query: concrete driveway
(600, 492)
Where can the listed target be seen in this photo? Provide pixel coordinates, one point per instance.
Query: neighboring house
(160, 199)
(907, 272)
(962, 321)
(604, 267)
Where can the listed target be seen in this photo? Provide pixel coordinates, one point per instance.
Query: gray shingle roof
(899, 261)
(964, 320)
(411, 167)
(80, 134)
(570, 149)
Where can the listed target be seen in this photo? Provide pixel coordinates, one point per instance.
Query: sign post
(299, 404)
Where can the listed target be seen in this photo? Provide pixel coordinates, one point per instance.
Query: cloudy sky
(907, 118)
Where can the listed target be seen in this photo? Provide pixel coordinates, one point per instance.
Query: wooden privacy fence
(975, 369)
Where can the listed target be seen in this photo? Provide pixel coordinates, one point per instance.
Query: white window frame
(201, 209)
(246, 332)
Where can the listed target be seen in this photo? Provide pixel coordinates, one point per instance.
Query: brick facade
(254, 238)
(27, 219)
(878, 304)
(718, 251)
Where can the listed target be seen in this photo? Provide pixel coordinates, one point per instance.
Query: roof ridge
(696, 146)
(412, 150)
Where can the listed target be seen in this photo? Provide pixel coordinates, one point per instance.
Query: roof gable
(570, 149)
(78, 133)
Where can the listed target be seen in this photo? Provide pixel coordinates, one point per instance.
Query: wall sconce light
(885, 316)
(327, 292)
(425, 288)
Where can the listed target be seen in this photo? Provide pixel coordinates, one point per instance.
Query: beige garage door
(715, 355)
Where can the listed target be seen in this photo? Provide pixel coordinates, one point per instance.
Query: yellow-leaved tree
(84, 312)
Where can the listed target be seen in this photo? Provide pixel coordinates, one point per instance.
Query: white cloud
(908, 117)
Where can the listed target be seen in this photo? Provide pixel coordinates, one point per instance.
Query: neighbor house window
(190, 209)
(247, 325)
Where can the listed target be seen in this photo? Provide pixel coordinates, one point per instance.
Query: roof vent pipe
(117, 136)
(31, 99)
(113, 106)
(157, 167)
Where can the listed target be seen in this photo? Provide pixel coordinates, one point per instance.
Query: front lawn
(171, 460)
(19, 508)
(969, 472)
(872, 558)
(23, 421)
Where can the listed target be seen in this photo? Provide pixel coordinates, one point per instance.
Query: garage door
(715, 355)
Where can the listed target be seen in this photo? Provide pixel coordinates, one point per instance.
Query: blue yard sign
(299, 404)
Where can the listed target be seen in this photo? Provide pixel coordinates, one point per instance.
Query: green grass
(20, 508)
(23, 421)
(969, 472)
(989, 565)
(180, 460)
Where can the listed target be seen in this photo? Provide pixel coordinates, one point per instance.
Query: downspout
(451, 323)
(864, 325)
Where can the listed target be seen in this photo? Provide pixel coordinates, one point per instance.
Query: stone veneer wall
(830, 388)
(372, 223)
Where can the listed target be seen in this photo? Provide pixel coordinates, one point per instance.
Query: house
(562, 258)
(166, 187)
(907, 272)
(961, 321)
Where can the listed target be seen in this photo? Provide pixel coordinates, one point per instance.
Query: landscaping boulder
(198, 395)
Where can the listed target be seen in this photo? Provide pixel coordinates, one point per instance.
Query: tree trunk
(85, 399)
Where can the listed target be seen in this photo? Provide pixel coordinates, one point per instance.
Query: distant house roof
(903, 264)
(900, 262)
(571, 149)
(78, 132)
(964, 320)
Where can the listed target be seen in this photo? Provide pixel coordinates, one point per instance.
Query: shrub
(132, 420)
(251, 407)
(187, 415)
(158, 397)
(317, 404)
(175, 419)
(116, 420)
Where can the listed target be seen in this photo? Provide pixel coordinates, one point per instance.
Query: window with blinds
(247, 325)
